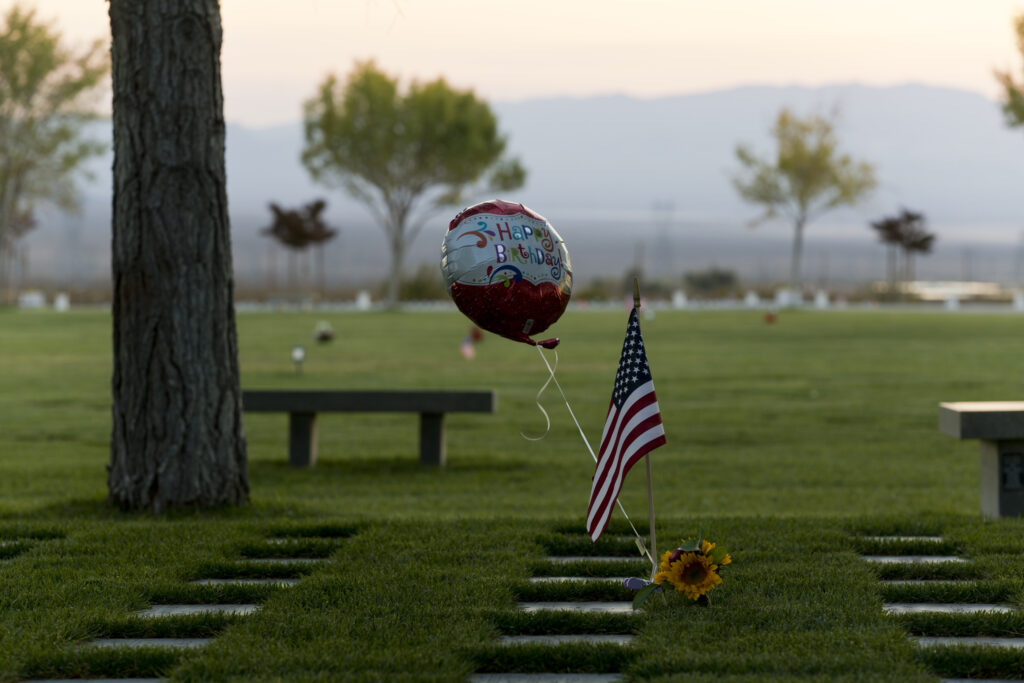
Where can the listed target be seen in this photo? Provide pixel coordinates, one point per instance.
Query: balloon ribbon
(551, 371)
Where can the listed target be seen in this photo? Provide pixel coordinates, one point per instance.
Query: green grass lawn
(786, 442)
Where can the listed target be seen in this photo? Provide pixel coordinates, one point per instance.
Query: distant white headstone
(752, 300)
(788, 297)
(952, 302)
(61, 302)
(679, 299)
(1018, 300)
(821, 299)
(363, 300)
(32, 298)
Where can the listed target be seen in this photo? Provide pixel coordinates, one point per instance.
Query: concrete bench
(999, 425)
(303, 406)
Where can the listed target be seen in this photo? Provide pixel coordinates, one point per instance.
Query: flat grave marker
(941, 641)
(147, 642)
(245, 582)
(94, 680)
(157, 611)
(560, 579)
(613, 639)
(927, 582)
(607, 607)
(544, 678)
(911, 559)
(601, 558)
(282, 560)
(942, 608)
(905, 539)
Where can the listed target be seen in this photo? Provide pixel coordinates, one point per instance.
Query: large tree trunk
(177, 414)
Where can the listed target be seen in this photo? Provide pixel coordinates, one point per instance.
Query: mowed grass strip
(973, 661)
(284, 548)
(555, 591)
(550, 622)
(561, 658)
(426, 600)
(994, 624)
(786, 443)
(988, 592)
(47, 663)
(821, 414)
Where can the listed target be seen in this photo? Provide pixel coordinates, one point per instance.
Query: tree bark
(177, 438)
(321, 286)
(794, 263)
(397, 248)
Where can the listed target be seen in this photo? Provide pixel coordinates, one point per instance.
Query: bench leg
(432, 450)
(1002, 479)
(302, 439)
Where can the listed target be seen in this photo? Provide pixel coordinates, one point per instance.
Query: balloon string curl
(547, 419)
(551, 378)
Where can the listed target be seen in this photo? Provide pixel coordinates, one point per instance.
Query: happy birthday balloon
(507, 270)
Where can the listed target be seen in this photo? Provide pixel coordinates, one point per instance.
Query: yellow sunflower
(706, 547)
(688, 572)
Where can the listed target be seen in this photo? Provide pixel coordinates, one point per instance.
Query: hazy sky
(277, 51)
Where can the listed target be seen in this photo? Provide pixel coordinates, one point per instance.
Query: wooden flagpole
(647, 461)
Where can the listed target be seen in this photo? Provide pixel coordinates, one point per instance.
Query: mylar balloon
(507, 270)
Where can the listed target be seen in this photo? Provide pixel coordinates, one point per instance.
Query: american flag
(632, 429)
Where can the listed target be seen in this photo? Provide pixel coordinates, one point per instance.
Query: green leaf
(690, 546)
(644, 593)
(718, 554)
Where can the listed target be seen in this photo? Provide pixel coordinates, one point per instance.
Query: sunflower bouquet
(693, 569)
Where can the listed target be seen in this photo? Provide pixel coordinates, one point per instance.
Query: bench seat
(999, 428)
(302, 407)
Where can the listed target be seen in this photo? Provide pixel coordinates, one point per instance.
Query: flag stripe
(638, 410)
(648, 442)
(642, 393)
(632, 428)
(649, 435)
(601, 519)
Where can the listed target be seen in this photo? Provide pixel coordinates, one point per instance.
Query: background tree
(906, 232)
(177, 414)
(301, 228)
(888, 231)
(1013, 90)
(46, 95)
(404, 155)
(713, 281)
(807, 177)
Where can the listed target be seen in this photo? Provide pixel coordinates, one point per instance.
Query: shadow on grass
(376, 467)
(100, 509)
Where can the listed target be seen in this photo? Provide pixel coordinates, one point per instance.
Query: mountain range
(630, 181)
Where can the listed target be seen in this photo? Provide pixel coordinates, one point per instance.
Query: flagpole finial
(636, 292)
